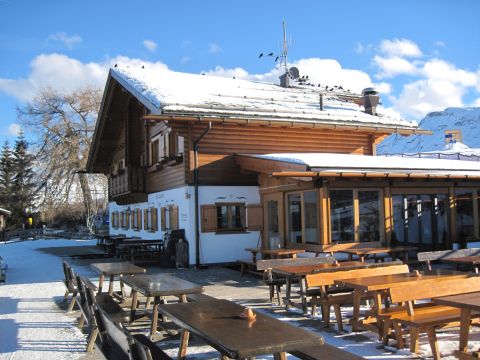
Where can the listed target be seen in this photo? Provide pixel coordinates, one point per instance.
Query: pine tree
(7, 173)
(24, 185)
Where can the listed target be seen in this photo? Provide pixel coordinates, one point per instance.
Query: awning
(309, 165)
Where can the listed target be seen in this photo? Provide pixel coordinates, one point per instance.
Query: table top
(277, 252)
(384, 282)
(472, 260)
(378, 250)
(218, 323)
(467, 301)
(134, 243)
(162, 285)
(301, 270)
(117, 268)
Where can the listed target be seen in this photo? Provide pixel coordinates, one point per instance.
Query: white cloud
(14, 129)
(68, 40)
(393, 66)
(400, 47)
(64, 73)
(359, 48)
(214, 48)
(440, 43)
(441, 70)
(150, 45)
(476, 103)
(426, 95)
(184, 60)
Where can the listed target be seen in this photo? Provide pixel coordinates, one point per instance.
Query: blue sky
(424, 55)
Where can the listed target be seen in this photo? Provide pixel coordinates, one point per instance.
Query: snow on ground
(33, 326)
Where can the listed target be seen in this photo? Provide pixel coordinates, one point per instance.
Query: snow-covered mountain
(465, 119)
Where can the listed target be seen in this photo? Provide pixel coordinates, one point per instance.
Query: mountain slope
(465, 119)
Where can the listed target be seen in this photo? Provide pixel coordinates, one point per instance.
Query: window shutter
(209, 218)
(254, 217)
(154, 214)
(163, 220)
(139, 219)
(173, 213)
(145, 219)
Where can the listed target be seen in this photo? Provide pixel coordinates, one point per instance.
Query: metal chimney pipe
(321, 101)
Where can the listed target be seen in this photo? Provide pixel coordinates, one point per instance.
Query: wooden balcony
(127, 186)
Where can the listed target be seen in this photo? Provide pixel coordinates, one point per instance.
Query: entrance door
(274, 221)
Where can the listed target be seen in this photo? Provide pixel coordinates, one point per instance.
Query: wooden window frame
(229, 229)
(287, 218)
(356, 211)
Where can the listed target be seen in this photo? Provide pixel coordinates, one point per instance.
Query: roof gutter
(289, 123)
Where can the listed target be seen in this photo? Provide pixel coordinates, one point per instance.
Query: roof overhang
(279, 122)
(357, 166)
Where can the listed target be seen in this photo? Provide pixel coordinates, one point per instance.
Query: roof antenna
(285, 47)
(292, 73)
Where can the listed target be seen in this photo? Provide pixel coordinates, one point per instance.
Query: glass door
(273, 237)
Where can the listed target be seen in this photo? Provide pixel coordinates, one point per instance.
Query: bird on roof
(143, 66)
(276, 59)
(271, 54)
(340, 87)
(115, 65)
(326, 87)
(259, 56)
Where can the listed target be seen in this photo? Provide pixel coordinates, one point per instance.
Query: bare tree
(64, 122)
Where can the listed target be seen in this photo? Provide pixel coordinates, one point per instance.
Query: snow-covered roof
(453, 151)
(338, 163)
(167, 92)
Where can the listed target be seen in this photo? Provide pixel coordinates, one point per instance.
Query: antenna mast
(285, 47)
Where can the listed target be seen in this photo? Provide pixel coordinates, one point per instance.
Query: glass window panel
(294, 218)
(413, 224)
(272, 223)
(222, 217)
(341, 215)
(426, 212)
(310, 211)
(369, 215)
(399, 222)
(441, 218)
(464, 205)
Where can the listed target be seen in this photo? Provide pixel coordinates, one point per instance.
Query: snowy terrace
(34, 325)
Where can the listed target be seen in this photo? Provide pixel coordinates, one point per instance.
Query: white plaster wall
(214, 248)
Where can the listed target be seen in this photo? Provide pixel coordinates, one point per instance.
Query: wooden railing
(130, 180)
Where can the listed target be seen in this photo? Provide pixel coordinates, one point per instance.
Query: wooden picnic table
(364, 252)
(379, 284)
(219, 324)
(274, 253)
(113, 269)
(293, 273)
(158, 286)
(467, 303)
(132, 248)
(473, 261)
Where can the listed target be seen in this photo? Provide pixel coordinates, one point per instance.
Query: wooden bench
(275, 283)
(86, 303)
(428, 256)
(247, 266)
(118, 343)
(199, 297)
(70, 284)
(333, 248)
(3, 270)
(325, 352)
(326, 299)
(426, 318)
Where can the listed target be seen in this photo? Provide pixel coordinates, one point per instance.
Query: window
(114, 219)
(137, 219)
(356, 215)
(180, 148)
(302, 217)
(465, 215)
(420, 220)
(154, 146)
(159, 149)
(231, 217)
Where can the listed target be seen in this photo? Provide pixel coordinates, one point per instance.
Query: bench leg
(280, 356)
(182, 350)
(338, 316)
(271, 290)
(326, 315)
(398, 334)
(279, 294)
(65, 297)
(72, 303)
(387, 325)
(314, 306)
(414, 334)
(432, 339)
(81, 321)
(91, 339)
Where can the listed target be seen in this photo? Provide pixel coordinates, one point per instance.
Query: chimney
(370, 100)
(285, 80)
